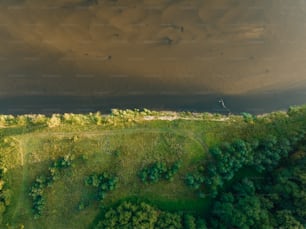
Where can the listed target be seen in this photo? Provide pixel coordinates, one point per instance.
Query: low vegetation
(146, 169)
(159, 170)
(103, 182)
(42, 182)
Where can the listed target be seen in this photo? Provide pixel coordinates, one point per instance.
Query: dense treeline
(258, 183)
(143, 215)
(276, 200)
(261, 155)
(229, 158)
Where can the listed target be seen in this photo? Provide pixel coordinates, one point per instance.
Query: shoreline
(121, 117)
(253, 103)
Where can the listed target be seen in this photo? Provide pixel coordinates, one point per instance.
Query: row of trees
(41, 182)
(116, 115)
(8, 160)
(5, 194)
(37, 195)
(143, 215)
(157, 171)
(75, 119)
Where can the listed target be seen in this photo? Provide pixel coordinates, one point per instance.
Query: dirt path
(19, 210)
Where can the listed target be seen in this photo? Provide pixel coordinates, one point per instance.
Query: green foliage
(168, 220)
(104, 183)
(117, 153)
(63, 162)
(42, 182)
(247, 117)
(157, 171)
(58, 166)
(139, 215)
(8, 120)
(276, 201)
(54, 121)
(5, 193)
(240, 209)
(226, 161)
(189, 222)
(229, 158)
(269, 152)
(296, 110)
(201, 224)
(129, 215)
(195, 180)
(36, 193)
(271, 148)
(82, 205)
(286, 219)
(287, 186)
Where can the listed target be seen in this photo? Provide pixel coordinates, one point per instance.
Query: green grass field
(120, 146)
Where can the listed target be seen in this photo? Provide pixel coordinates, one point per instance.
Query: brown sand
(129, 47)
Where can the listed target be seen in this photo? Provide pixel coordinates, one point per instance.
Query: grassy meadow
(120, 144)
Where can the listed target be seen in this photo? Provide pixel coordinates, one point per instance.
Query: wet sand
(71, 55)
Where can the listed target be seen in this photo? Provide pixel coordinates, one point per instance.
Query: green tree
(169, 220)
(129, 215)
(189, 222)
(286, 220)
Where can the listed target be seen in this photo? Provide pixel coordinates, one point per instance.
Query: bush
(41, 182)
(159, 170)
(54, 121)
(103, 182)
(195, 180)
(36, 192)
(247, 117)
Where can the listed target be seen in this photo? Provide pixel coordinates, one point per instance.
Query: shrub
(54, 121)
(103, 182)
(159, 170)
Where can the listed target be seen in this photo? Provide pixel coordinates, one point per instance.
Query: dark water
(253, 103)
(84, 56)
